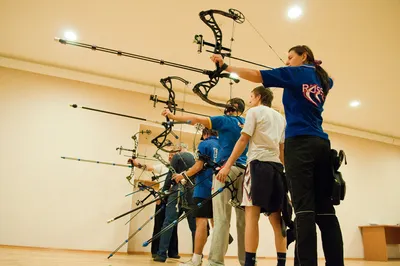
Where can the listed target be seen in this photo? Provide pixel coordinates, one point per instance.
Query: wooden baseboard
(60, 249)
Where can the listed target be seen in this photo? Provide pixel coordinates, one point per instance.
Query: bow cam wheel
(238, 16)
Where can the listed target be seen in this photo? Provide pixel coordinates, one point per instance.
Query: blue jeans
(173, 212)
(158, 223)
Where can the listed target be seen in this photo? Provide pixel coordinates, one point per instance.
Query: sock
(250, 259)
(281, 259)
(196, 259)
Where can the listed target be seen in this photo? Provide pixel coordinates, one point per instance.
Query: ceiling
(357, 40)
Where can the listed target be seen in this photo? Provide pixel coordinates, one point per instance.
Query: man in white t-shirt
(263, 186)
(160, 170)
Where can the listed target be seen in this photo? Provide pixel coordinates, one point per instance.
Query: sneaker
(174, 256)
(158, 258)
(190, 263)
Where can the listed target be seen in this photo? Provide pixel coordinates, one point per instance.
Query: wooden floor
(47, 257)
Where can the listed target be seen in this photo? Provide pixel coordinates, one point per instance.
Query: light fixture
(294, 12)
(354, 103)
(70, 36)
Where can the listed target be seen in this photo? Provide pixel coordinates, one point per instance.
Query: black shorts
(205, 211)
(263, 186)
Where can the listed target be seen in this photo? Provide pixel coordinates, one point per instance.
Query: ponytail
(324, 79)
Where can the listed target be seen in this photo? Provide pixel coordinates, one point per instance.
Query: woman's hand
(133, 162)
(167, 113)
(217, 58)
(222, 174)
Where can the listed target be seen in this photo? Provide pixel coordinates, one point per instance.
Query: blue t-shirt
(303, 98)
(208, 150)
(228, 134)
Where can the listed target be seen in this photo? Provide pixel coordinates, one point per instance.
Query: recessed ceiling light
(69, 35)
(354, 103)
(294, 12)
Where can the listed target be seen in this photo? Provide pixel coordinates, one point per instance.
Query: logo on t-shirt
(215, 156)
(313, 93)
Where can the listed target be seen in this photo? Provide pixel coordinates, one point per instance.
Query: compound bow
(161, 141)
(134, 156)
(203, 88)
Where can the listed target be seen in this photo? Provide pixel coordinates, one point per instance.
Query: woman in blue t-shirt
(307, 150)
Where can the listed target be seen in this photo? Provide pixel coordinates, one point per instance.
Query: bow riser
(161, 140)
(203, 88)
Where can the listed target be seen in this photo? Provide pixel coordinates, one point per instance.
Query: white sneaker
(190, 263)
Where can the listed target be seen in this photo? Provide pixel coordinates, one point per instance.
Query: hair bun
(317, 62)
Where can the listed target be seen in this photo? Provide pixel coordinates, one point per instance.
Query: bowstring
(183, 108)
(262, 37)
(145, 152)
(229, 59)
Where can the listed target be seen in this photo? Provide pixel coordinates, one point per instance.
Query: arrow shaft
(93, 161)
(117, 114)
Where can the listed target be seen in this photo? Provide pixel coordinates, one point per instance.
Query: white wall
(49, 202)
(46, 201)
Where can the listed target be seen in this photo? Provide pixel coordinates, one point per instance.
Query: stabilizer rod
(135, 56)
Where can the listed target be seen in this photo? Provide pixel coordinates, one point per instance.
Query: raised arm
(252, 75)
(194, 119)
(281, 77)
(146, 167)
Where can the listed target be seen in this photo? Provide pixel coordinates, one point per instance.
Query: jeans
(158, 223)
(172, 212)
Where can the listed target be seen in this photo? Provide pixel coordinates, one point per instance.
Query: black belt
(240, 166)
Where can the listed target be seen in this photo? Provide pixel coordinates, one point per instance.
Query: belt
(240, 166)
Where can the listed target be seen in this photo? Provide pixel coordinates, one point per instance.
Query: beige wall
(49, 202)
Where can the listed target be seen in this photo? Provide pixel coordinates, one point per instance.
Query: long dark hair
(321, 73)
(266, 95)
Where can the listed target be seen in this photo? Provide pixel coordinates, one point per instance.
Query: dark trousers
(172, 212)
(309, 176)
(158, 222)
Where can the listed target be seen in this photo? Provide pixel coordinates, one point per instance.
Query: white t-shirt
(266, 127)
(160, 169)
